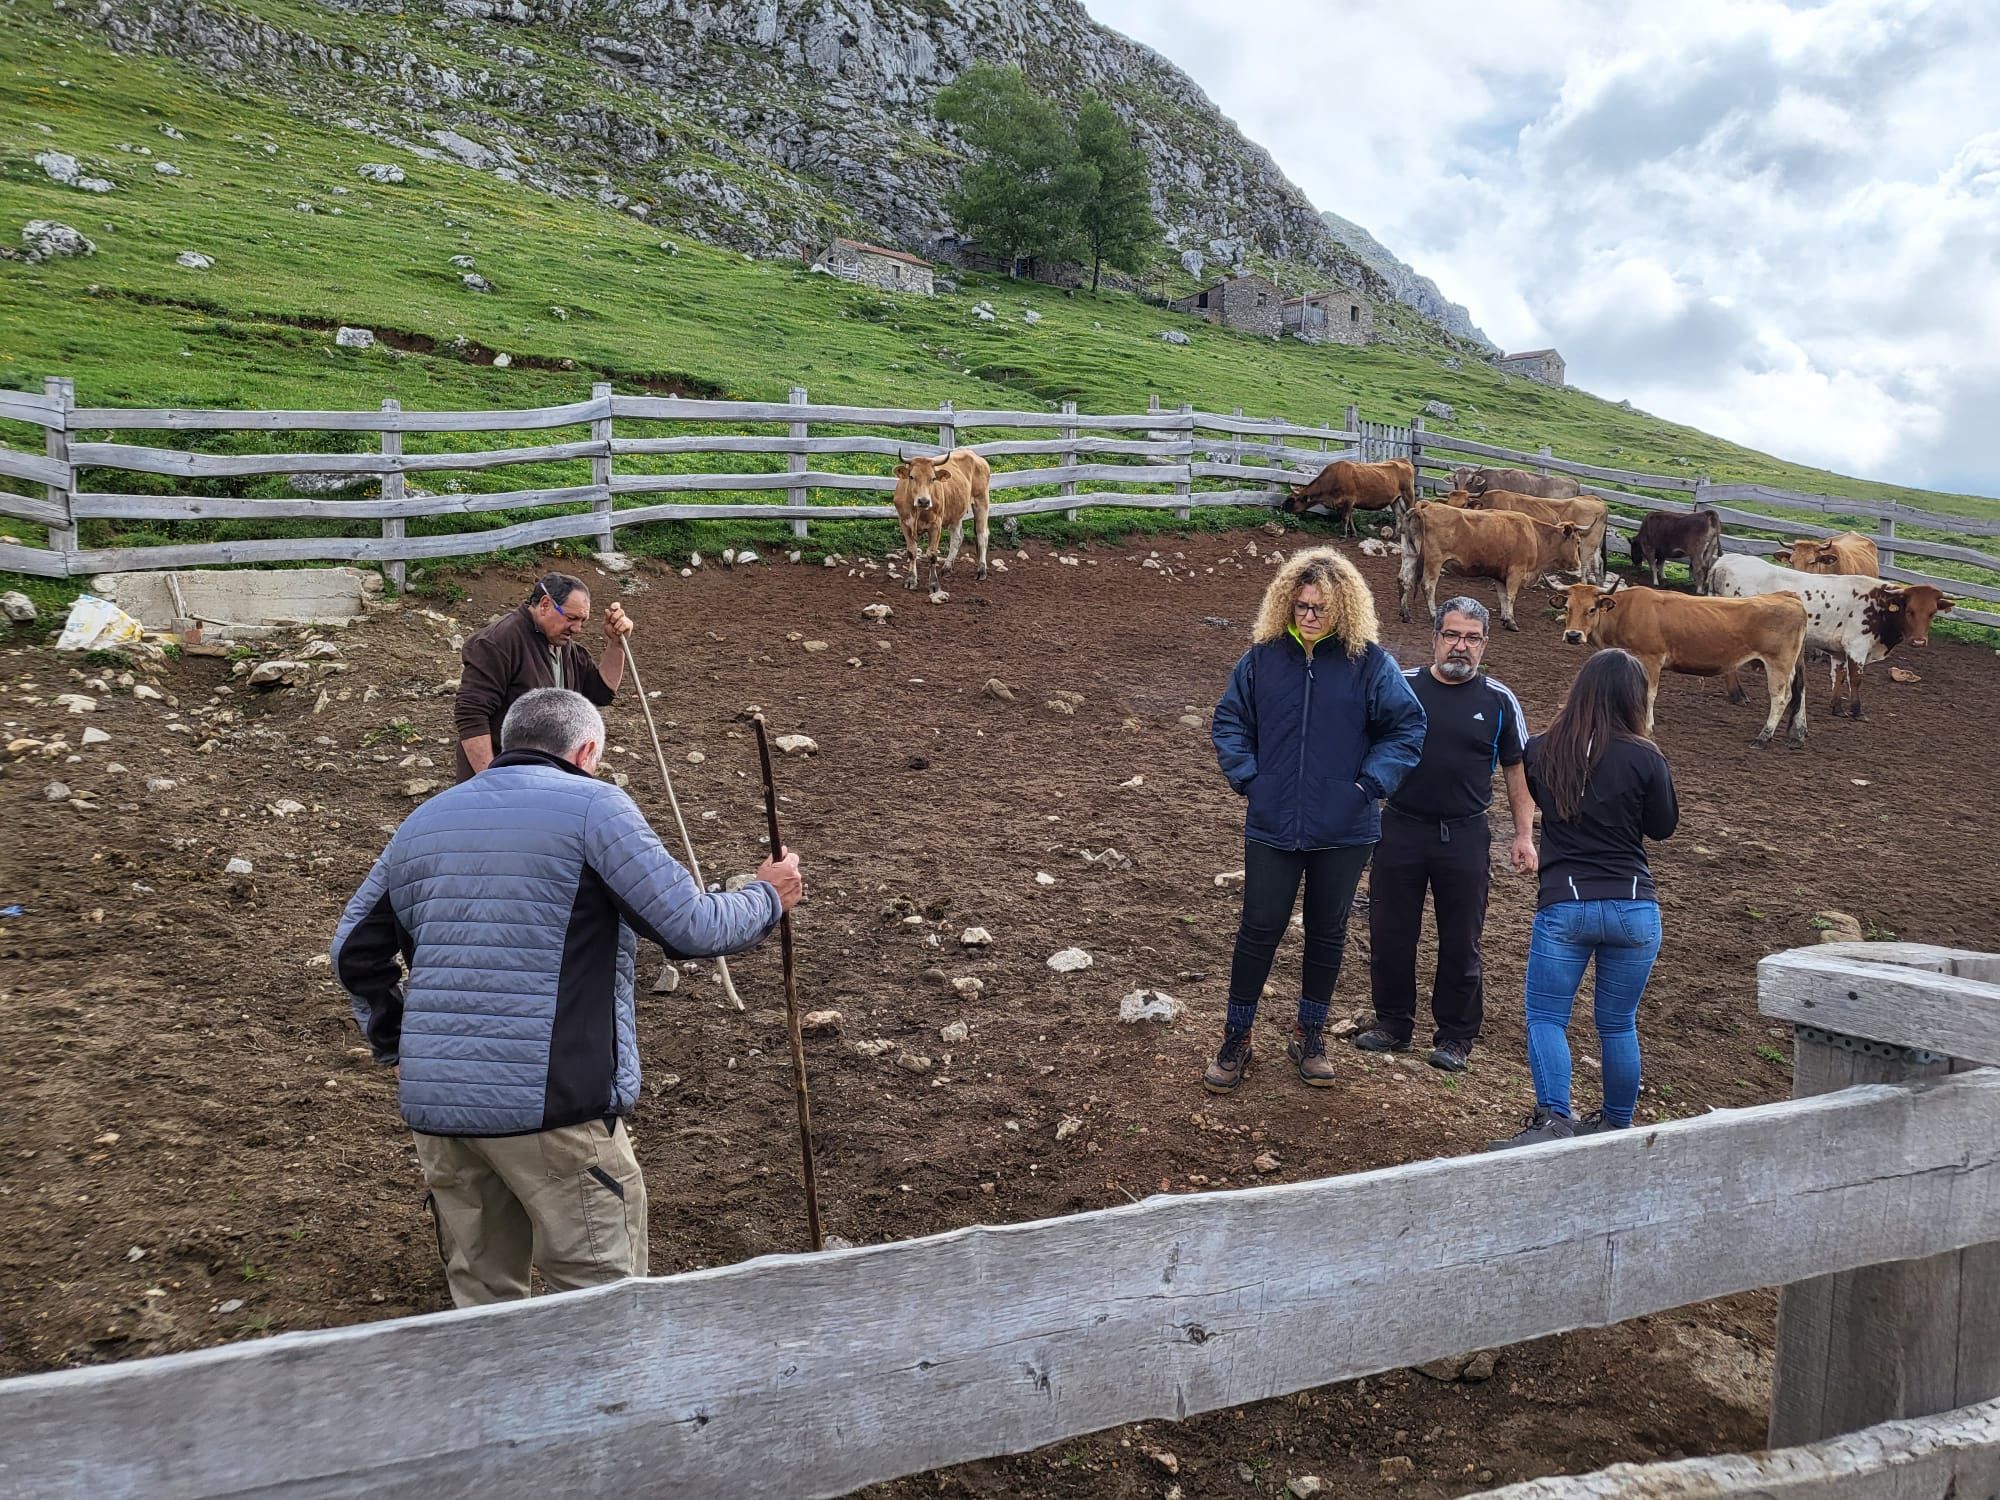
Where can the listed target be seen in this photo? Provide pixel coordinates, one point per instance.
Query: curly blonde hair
(1352, 621)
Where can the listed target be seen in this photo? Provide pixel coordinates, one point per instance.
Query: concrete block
(250, 597)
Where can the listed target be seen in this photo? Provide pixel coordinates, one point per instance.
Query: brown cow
(1587, 511)
(1477, 481)
(1850, 552)
(1345, 486)
(1502, 544)
(1702, 638)
(1695, 535)
(933, 493)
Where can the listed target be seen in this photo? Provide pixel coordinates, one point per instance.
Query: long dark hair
(1606, 702)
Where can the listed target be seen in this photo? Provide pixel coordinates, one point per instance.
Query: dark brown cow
(1695, 535)
(1502, 544)
(1701, 638)
(1477, 481)
(1344, 486)
(933, 493)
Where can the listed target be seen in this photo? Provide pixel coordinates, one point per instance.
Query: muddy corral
(196, 1151)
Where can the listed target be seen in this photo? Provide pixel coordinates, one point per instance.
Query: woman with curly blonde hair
(1316, 727)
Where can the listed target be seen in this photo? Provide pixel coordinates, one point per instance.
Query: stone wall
(1545, 365)
(886, 273)
(1249, 304)
(1333, 317)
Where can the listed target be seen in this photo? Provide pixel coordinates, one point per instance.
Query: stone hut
(1250, 304)
(1337, 316)
(871, 265)
(1544, 365)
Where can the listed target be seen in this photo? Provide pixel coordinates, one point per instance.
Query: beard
(1456, 669)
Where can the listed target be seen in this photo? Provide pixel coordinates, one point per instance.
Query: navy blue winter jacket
(516, 899)
(1315, 740)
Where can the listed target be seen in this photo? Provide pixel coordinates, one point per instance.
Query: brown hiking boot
(1229, 1065)
(1308, 1050)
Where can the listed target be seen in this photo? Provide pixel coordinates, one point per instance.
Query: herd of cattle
(1518, 527)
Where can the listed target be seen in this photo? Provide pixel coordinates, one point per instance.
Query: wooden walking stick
(799, 1090)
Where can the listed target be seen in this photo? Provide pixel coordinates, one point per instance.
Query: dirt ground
(194, 1153)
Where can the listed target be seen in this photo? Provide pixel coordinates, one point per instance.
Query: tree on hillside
(1117, 225)
(1024, 197)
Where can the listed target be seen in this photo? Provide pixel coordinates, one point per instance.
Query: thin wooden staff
(799, 1089)
(687, 843)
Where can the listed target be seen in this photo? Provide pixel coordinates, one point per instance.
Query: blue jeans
(1624, 937)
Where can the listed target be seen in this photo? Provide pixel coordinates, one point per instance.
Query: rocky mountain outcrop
(1410, 289)
(762, 124)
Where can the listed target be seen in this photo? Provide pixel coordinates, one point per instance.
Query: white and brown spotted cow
(933, 493)
(1855, 619)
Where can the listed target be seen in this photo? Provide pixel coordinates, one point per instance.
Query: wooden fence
(815, 1374)
(1157, 460)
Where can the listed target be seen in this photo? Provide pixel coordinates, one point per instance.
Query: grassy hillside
(594, 289)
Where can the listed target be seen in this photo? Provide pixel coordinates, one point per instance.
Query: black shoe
(1375, 1039)
(1452, 1057)
(1231, 1062)
(1594, 1123)
(1543, 1125)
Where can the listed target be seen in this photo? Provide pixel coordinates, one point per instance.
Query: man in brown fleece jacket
(533, 647)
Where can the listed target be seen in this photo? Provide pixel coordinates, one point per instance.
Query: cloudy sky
(1777, 222)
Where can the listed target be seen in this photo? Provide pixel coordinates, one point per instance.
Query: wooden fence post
(1417, 451)
(1885, 537)
(62, 537)
(600, 466)
(1354, 422)
(947, 428)
(394, 487)
(1185, 486)
(1545, 451)
(796, 463)
(1906, 1339)
(1068, 459)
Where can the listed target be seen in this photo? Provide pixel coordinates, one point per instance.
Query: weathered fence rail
(813, 1375)
(1194, 458)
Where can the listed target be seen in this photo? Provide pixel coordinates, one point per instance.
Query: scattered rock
(503, 361)
(912, 1062)
(462, 262)
(472, 281)
(1149, 1005)
(46, 240)
(1441, 410)
(1043, 877)
(813, 646)
(695, 757)
(64, 168)
(939, 596)
(1903, 674)
(95, 736)
(877, 611)
(995, 688)
(1175, 336)
(287, 807)
(1840, 928)
(1070, 960)
(797, 744)
(238, 866)
(354, 338)
(669, 979)
(1031, 317)
(277, 673)
(56, 791)
(968, 986)
(1375, 547)
(234, 1304)
(1132, 785)
(1304, 1485)
(954, 1033)
(383, 172)
(420, 788)
(194, 260)
(1265, 1162)
(1229, 879)
(975, 937)
(1068, 1126)
(76, 703)
(161, 783)
(1159, 1456)
(1398, 1468)
(18, 607)
(874, 1048)
(820, 1023)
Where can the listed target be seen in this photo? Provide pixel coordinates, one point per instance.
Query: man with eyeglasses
(1435, 836)
(533, 646)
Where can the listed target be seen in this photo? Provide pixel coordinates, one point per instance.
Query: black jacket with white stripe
(1601, 854)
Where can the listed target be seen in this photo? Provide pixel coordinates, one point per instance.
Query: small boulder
(877, 611)
(194, 260)
(1838, 927)
(56, 791)
(1175, 336)
(1070, 960)
(913, 1062)
(954, 1033)
(797, 744)
(1149, 1005)
(669, 979)
(238, 867)
(354, 338)
(995, 688)
(1266, 1163)
(975, 937)
(95, 736)
(1304, 1485)
(813, 646)
(503, 361)
(272, 674)
(1397, 1468)
(18, 607)
(474, 282)
(820, 1023)
(968, 986)
(383, 172)
(47, 240)
(1229, 879)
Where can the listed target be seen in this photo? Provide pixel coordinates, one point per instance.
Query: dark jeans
(1270, 885)
(1415, 854)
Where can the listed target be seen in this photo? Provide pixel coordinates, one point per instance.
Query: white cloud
(1776, 221)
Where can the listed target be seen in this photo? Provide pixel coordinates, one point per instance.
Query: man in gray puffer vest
(516, 899)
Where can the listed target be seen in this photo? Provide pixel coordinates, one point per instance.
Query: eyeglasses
(550, 600)
(1462, 637)
(1317, 610)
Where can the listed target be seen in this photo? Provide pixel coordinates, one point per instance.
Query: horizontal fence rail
(1159, 459)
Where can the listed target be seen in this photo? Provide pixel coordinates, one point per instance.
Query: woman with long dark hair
(1316, 727)
(1603, 789)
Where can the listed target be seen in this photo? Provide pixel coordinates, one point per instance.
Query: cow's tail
(1796, 703)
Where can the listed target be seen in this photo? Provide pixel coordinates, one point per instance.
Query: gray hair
(1472, 609)
(553, 720)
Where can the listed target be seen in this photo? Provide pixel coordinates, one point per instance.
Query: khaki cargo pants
(570, 1202)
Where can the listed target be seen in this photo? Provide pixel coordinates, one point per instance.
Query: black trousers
(1451, 859)
(1270, 886)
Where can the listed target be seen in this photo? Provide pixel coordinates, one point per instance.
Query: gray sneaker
(1543, 1125)
(1594, 1123)
(1375, 1039)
